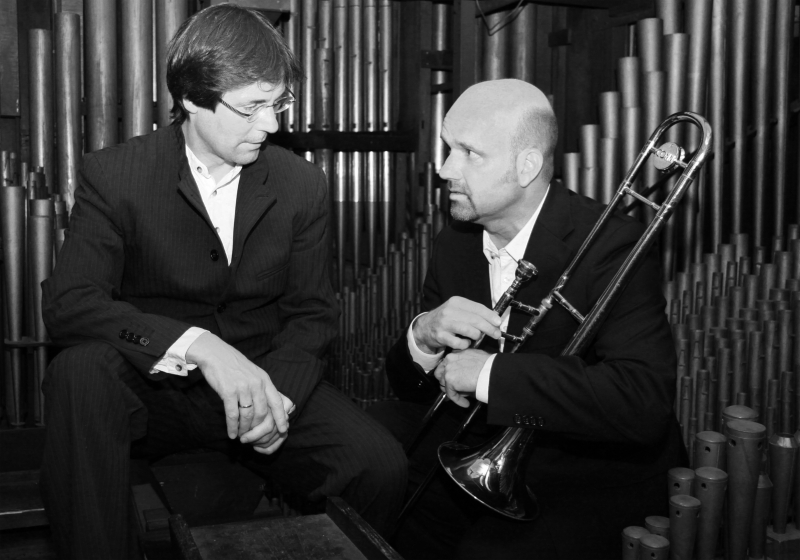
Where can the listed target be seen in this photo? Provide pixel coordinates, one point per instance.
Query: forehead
(481, 130)
(257, 91)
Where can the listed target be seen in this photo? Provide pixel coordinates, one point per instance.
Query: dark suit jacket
(604, 418)
(142, 256)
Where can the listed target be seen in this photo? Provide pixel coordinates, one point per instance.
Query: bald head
(515, 111)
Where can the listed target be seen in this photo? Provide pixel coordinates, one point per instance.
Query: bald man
(605, 431)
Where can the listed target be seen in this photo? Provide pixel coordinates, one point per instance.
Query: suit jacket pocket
(272, 272)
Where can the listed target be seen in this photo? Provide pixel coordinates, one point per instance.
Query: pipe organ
(731, 255)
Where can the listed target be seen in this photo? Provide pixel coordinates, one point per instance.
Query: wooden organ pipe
(523, 44)
(68, 99)
(780, 103)
(739, 81)
(669, 12)
(12, 206)
(440, 100)
(674, 53)
(355, 91)
(137, 68)
(170, 14)
(698, 26)
(41, 102)
(717, 96)
(100, 73)
(495, 45)
(372, 106)
(386, 194)
(761, 81)
(308, 28)
(340, 116)
(590, 160)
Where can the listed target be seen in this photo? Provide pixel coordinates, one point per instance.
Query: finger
(457, 397)
(288, 405)
(260, 409)
(266, 440)
(264, 428)
(231, 404)
(275, 400)
(273, 447)
(246, 414)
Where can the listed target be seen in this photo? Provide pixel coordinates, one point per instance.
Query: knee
(384, 462)
(80, 366)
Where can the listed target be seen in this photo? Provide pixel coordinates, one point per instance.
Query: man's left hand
(265, 438)
(458, 374)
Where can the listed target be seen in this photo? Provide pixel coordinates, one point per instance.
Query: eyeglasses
(279, 106)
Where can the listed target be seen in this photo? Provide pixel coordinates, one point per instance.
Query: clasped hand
(238, 381)
(456, 324)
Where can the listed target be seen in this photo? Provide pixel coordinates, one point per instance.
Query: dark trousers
(580, 523)
(101, 411)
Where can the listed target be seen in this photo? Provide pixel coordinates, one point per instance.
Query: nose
(448, 170)
(267, 120)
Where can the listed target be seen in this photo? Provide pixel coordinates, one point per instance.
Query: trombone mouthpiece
(525, 270)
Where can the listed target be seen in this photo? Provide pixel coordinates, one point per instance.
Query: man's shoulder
(135, 152)
(286, 162)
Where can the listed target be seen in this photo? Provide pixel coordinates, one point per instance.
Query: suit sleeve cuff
(174, 359)
(426, 361)
(482, 390)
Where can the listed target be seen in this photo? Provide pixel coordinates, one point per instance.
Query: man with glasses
(193, 299)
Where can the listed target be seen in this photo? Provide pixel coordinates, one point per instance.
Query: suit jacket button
(130, 337)
(214, 255)
(123, 333)
(540, 422)
(221, 307)
(144, 341)
(517, 419)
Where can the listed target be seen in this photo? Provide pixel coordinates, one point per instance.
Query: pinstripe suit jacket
(142, 256)
(602, 419)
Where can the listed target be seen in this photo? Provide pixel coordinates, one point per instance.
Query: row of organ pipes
(731, 255)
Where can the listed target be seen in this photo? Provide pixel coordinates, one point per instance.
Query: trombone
(494, 473)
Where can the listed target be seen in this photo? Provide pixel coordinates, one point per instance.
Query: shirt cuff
(426, 361)
(174, 359)
(482, 390)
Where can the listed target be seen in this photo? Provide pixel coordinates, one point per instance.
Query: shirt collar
(199, 168)
(516, 247)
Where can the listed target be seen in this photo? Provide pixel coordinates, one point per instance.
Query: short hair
(537, 128)
(221, 48)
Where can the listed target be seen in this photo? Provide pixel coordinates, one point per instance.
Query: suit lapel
(186, 183)
(254, 198)
(547, 251)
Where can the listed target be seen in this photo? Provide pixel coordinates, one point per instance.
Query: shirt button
(214, 193)
(214, 255)
(221, 307)
(216, 228)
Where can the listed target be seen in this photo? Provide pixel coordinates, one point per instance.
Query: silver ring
(247, 406)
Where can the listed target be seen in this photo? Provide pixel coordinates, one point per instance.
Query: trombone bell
(490, 473)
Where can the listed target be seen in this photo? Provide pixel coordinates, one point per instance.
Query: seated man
(193, 299)
(605, 430)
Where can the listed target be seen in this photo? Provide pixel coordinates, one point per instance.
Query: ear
(529, 164)
(189, 107)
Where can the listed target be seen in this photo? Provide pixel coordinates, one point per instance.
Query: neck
(217, 167)
(502, 231)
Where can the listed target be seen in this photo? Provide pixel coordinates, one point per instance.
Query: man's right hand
(238, 381)
(455, 324)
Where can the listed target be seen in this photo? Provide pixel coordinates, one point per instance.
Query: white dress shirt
(219, 199)
(502, 270)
